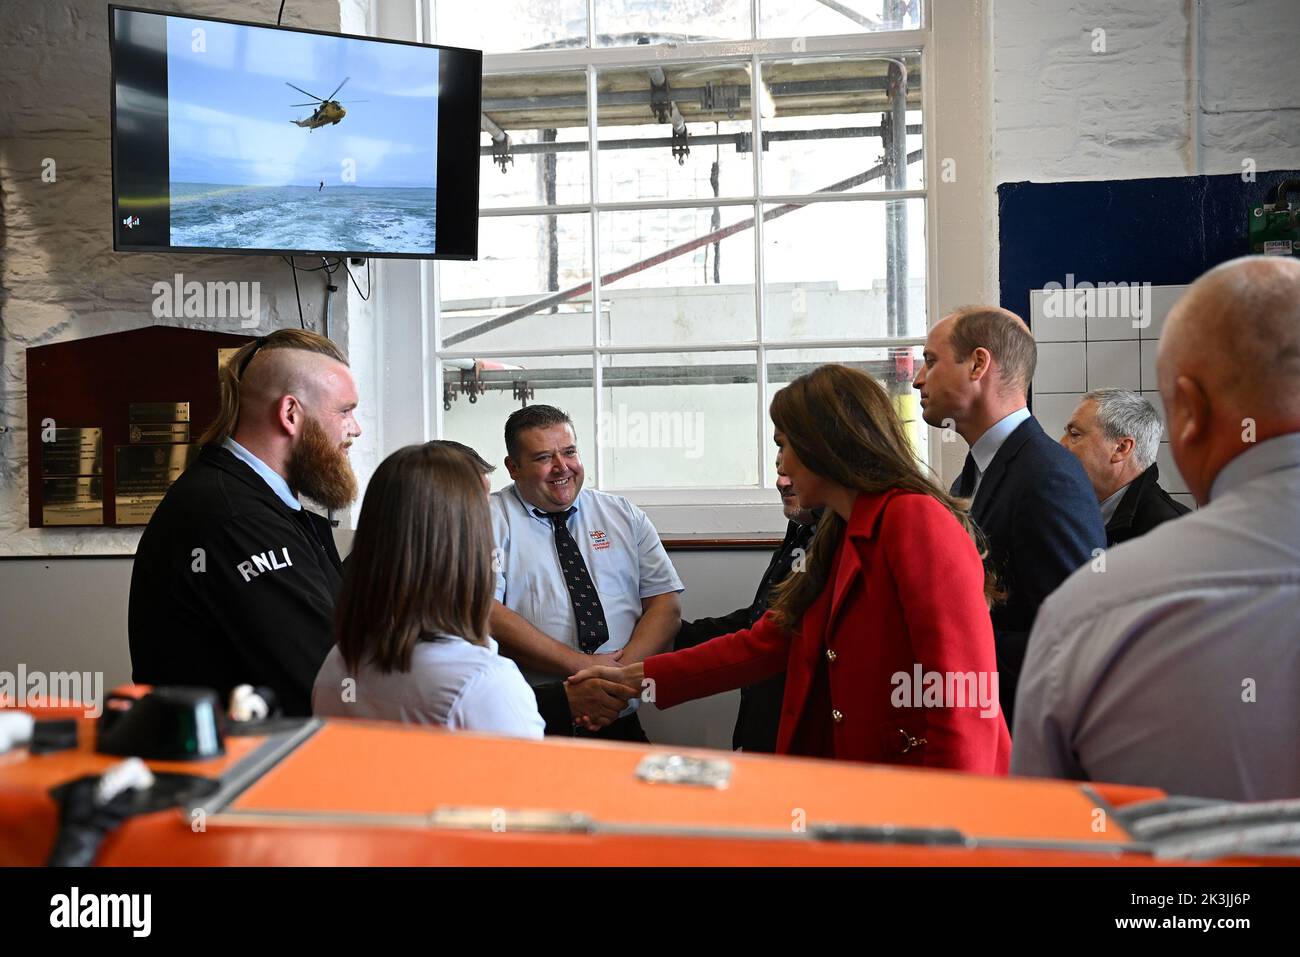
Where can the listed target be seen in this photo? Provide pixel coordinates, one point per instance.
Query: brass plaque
(73, 452)
(224, 355)
(77, 500)
(154, 432)
(144, 473)
(142, 412)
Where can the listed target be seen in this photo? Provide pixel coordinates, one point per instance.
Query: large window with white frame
(684, 205)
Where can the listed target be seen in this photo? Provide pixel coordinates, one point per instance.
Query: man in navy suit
(1031, 498)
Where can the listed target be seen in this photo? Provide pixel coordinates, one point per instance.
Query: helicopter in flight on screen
(328, 110)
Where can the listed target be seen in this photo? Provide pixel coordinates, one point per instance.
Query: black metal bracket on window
(471, 384)
(745, 142)
(681, 149)
(661, 102)
(523, 392)
(502, 153)
(720, 96)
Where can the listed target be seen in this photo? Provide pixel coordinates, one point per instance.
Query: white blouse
(452, 682)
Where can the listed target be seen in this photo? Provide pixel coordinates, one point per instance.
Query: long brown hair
(843, 427)
(421, 562)
(231, 374)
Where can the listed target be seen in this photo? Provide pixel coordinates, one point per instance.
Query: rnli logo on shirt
(268, 561)
(599, 539)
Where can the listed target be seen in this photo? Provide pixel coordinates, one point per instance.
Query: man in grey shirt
(1176, 663)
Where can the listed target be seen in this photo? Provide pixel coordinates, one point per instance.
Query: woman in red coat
(885, 637)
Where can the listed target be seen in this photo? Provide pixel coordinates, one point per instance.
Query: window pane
(682, 420)
(802, 18)
(634, 22)
(677, 275)
(820, 289)
(533, 278)
(495, 385)
(827, 125)
(675, 132)
(547, 162)
(499, 26)
(893, 368)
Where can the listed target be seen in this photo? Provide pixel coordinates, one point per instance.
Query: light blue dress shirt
(273, 478)
(452, 683)
(1112, 502)
(987, 445)
(620, 547)
(1178, 665)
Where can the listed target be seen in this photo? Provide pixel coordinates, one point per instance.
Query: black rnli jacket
(231, 586)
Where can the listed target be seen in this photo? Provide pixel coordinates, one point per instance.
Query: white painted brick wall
(59, 276)
(1064, 112)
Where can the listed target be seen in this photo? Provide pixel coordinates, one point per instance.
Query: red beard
(319, 469)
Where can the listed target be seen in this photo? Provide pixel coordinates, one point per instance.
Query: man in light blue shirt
(1176, 662)
(582, 577)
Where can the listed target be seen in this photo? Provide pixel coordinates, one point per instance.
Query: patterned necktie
(593, 631)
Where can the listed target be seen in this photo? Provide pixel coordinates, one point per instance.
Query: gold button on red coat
(830, 654)
(837, 715)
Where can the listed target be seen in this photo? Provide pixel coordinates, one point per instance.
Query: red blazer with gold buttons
(907, 591)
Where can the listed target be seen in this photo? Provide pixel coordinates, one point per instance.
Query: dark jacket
(1143, 506)
(231, 586)
(1041, 521)
(760, 704)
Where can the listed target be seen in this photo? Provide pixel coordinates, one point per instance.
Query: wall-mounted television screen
(238, 137)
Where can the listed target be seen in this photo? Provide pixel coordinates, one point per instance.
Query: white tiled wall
(1079, 353)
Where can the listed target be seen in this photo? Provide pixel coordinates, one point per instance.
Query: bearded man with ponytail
(234, 581)
(894, 589)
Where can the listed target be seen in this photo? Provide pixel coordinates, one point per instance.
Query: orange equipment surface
(361, 793)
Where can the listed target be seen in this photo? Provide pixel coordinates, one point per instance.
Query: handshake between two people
(599, 693)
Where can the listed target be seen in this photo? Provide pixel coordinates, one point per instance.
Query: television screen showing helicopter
(284, 140)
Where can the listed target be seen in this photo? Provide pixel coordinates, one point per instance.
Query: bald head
(1237, 332)
(1229, 364)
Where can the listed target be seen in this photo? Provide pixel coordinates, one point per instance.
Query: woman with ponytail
(885, 635)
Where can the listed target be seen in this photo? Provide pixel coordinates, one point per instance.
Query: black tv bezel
(450, 122)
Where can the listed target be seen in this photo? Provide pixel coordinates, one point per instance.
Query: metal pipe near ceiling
(491, 380)
(861, 19)
(710, 139)
(659, 81)
(780, 88)
(486, 124)
(582, 289)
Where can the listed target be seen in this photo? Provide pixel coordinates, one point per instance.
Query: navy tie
(964, 487)
(593, 631)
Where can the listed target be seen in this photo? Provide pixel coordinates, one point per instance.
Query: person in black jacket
(1031, 498)
(759, 715)
(234, 581)
(1115, 435)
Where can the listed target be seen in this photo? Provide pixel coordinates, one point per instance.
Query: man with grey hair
(1177, 666)
(1115, 435)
